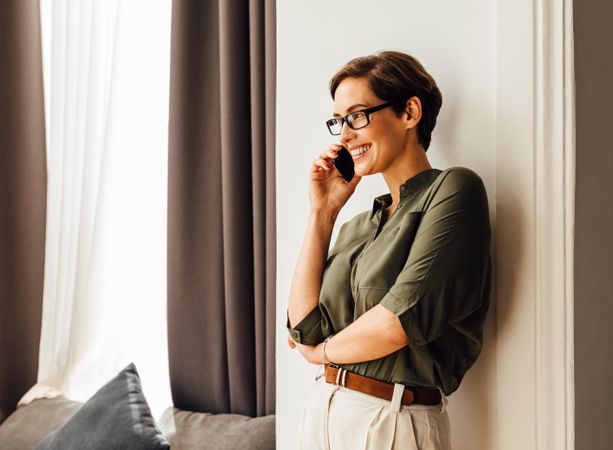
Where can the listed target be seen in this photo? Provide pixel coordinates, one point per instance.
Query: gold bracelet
(326, 359)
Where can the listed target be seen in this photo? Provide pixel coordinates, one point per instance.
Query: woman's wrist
(319, 357)
(323, 215)
(326, 358)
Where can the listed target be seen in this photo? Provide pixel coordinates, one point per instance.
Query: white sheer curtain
(106, 73)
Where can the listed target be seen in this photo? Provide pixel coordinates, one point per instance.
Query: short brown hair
(395, 77)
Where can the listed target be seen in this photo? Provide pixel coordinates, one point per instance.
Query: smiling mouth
(357, 152)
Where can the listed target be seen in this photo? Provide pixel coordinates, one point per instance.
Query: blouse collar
(410, 186)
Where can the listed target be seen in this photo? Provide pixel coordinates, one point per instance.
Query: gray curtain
(23, 191)
(593, 284)
(221, 215)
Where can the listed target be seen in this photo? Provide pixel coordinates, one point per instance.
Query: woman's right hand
(328, 189)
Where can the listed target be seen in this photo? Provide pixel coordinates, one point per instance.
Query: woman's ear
(407, 110)
(412, 112)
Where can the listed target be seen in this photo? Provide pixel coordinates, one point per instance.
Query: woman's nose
(346, 133)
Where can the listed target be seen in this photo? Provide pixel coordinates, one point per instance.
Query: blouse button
(295, 334)
(402, 188)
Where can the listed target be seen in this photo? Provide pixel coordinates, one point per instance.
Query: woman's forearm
(375, 334)
(306, 281)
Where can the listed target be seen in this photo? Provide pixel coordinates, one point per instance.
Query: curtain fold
(23, 180)
(221, 217)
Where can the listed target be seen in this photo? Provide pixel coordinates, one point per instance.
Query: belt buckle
(341, 375)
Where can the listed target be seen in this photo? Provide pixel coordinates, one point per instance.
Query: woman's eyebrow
(349, 109)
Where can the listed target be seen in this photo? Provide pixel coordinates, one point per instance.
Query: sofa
(108, 420)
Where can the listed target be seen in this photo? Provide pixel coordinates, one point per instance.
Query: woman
(394, 312)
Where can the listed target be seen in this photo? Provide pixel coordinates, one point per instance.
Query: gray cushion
(117, 417)
(25, 428)
(186, 430)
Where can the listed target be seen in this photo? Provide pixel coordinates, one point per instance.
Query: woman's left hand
(290, 342)
(312, 353)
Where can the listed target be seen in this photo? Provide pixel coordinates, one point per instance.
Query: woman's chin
(364, 165)
(362, 169)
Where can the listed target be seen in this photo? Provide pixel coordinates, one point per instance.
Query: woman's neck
(403, 168)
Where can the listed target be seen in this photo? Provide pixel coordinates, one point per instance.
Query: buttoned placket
(406, 190)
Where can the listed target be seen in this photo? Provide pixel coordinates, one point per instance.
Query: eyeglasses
(355, 120)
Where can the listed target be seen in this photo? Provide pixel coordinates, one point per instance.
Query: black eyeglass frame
(367, 112)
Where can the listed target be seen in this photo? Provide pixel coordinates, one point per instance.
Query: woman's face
(385, 136)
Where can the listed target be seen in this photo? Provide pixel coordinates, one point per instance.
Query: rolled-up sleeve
(308, 331)
(444, 279)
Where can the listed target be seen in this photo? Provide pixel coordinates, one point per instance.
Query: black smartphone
(344, 164)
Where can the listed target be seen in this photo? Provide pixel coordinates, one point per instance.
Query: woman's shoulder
(460, 180)
(461, 175)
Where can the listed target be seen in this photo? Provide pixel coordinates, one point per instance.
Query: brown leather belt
(381, 389)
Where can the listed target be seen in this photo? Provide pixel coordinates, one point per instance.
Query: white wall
(456, 42)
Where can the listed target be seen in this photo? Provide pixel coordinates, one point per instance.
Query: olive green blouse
(429, 264)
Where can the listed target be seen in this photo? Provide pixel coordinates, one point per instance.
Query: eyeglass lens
(355, 121)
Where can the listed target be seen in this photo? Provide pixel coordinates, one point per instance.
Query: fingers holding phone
(337, 157)
(332, 179)
(324, 163)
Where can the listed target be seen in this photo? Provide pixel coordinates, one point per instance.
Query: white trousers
(339, 418)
